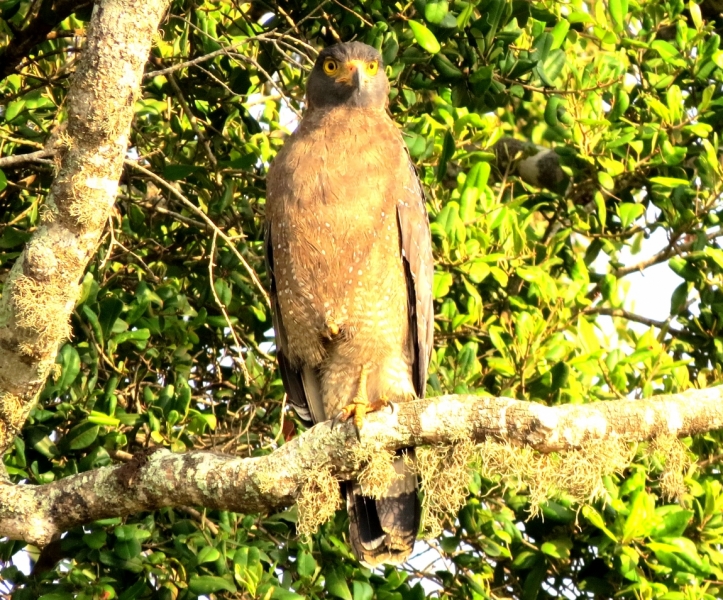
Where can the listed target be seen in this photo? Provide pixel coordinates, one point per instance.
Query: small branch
(239, 360)
(200, 59)
(170, 213)
(625, 314)
(163, 183)
(261, 484)
(193, 120)
(664, 255)
(553, 91)
(18, 159)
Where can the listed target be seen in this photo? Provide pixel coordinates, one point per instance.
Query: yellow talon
(332, 328)
(360, 405)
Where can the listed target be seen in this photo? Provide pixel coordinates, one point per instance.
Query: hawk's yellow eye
(330, 66)
(372, 67)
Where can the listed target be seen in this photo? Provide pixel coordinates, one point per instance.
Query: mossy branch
(261, 484)
(42, 287)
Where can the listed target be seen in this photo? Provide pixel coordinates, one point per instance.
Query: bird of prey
(350, 261)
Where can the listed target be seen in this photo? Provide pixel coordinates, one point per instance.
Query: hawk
(350, 262)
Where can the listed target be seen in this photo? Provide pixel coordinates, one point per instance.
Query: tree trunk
(42, 287)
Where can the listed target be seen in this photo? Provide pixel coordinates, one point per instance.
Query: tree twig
(630, 316)
(40, 156)
(193, 121)
(163, 183)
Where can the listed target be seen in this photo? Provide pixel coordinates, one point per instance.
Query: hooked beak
(353, 74)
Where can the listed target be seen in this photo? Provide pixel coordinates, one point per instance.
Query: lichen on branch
(266, 483)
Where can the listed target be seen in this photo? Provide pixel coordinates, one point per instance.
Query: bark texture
(36, 513)
(42, 287)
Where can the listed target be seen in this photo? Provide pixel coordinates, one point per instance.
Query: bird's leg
(360, 404)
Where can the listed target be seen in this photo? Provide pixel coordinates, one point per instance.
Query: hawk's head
(349, 74)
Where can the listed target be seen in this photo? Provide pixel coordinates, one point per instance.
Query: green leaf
(110, 310)
(670, 182)
(551, 67)
(435, 11)
(425, 38)
(674, 521)
(208, 584)
(134, 591)
(618, 12)
(442, 284)
(559, 548)
(82, 436)
(464, 16)
(247, 568)
(362, 590)
(14, 109)
(477, 270)
(43, 444)
(70, 360)
(137, 335)
(127, 549)
(131, 532)
(716, 254)
(416, 144)
(559, 33)
(3, 181)
(100, 418)
(448, 148)
(666, 50)
(223, 291)
(640, 520)
(95, 539)
(551, 108)
(179, 172)
(305, 564)
(596, 519)
(679, 298)
(280, 593)
(605, 180)
(627, 563)
(335, 583)
(628, 212)
(207, 554)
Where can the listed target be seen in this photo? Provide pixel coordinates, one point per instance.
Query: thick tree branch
(249, 485)
(42, 287)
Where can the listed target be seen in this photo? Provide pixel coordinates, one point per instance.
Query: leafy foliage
(171, 334)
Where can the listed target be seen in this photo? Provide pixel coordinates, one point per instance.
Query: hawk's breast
(333, 191)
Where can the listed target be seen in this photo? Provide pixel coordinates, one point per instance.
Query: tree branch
(42, 287)
(162, 479)
(17, 159)
(630, 316)
(665, 254)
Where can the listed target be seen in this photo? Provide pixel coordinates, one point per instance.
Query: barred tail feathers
(384, 530)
